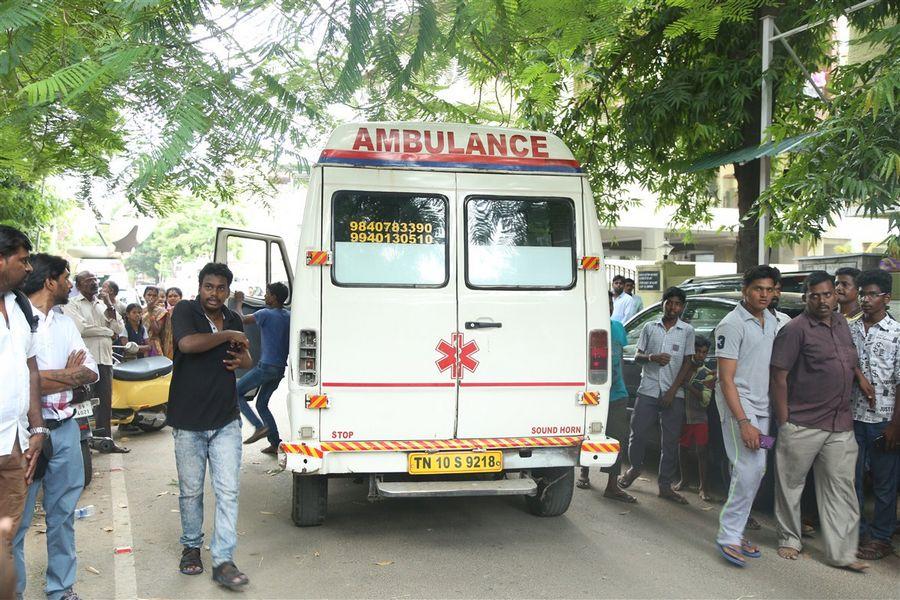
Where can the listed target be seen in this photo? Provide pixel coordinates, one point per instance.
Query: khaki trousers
(12, 502)
(832, 456)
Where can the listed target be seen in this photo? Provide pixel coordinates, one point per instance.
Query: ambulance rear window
(520, 243)
(387, 239)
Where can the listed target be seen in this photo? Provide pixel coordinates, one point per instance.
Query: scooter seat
(142, 369)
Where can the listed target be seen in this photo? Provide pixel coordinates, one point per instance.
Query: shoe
(271, 449)
(259, 434)
(69, 594)
(116, 449)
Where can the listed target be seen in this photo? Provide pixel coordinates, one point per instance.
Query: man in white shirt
(22, 429)
(629, 289)
(624, 306)
(96, 318)
(65, 364)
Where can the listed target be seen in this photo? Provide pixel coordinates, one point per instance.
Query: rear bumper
(346, 458)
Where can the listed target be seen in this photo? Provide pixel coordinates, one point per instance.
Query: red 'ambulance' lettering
(413, 141)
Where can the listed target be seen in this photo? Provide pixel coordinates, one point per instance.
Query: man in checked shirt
(64, 363)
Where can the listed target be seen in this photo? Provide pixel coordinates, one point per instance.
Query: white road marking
(125, 575)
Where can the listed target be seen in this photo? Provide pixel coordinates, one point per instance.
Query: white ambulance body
(449, 318)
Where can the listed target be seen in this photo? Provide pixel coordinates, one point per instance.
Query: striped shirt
(56, 338)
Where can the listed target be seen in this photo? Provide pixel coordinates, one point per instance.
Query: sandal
(750, 550)
(583, 484)
(670, 494)
(707, 497)
(874, 550)
(621, 496)
(190, 561)
(752, 524)
(732, 554)
(788, 553)
(628, 478)
(228, 575)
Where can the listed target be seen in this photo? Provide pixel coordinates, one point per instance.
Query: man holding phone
(814, 363)
(876, 421)
(203, 412)
(744, 341)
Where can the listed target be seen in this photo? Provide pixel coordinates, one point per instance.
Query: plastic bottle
(84, 512)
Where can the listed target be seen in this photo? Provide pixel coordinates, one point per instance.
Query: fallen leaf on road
(242, 532)
(173, 510)
(162, 494)
(93, 570)
(643, 479)
(316, 554)
(384, 563)
(706, 508)
(625, 513)
(123, 506)
(254, 462)
(107, 529)
(42, 530)
(265, 512)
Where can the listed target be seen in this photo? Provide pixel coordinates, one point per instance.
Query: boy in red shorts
(695, 431)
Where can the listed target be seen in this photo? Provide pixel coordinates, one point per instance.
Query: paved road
(443, 548)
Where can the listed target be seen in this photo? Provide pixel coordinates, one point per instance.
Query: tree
(187, 234)
(27, 208)
(162, 83)
(639, 90)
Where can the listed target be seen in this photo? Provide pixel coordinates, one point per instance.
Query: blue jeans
(885, 467)
(62, 483)
(265, 377)
(221, 448)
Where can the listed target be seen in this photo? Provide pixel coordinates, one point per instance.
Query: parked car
(703, 311)
(790, 282)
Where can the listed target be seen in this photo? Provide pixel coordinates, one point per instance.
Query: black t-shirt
(203, 394)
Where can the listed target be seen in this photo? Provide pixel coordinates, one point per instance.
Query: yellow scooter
(140, 392)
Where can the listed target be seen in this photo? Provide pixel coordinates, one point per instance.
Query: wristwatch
(37, 430)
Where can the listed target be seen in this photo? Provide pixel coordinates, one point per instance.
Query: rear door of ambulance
(522, 314)
(388, 300)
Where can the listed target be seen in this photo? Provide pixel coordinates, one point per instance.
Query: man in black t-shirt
(209, 345)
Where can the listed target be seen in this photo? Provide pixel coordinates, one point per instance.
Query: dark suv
(703, 311)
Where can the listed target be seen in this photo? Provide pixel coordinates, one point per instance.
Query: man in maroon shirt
(813, 366)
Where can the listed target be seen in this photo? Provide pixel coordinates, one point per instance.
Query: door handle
(481, 325)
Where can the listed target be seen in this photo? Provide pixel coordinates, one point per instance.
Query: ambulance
(449, 318)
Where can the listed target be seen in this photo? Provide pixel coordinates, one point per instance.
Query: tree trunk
(747, 175)
(746, 253)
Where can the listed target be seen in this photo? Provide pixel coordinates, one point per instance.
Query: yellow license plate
(437, 463)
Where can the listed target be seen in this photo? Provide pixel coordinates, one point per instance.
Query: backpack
(25, 307)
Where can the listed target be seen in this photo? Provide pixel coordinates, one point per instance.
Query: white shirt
(879, 360)
(95, 327)
(57, 337)
(17, 345)
(624, 307)
(782, 318)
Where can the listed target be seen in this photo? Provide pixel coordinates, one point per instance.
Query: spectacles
(871, 295)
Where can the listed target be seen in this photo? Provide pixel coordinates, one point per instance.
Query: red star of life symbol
(456, 356)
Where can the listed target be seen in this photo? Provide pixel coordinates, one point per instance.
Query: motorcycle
(140, 394)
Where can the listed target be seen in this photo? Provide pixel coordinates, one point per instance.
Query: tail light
(598, 356)
(308, 359)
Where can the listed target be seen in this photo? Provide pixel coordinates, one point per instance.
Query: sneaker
(259, 434)
(271, 449)
(69, 594)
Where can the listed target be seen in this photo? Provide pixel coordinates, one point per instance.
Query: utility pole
(765, 161)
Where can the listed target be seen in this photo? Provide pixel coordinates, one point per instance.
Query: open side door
(256, 259)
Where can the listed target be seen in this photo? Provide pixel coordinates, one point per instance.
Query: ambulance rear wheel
(554, 491)
(309, 501)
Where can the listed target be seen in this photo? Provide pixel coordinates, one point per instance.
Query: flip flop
(750, 550)
(672, 496)
(583, 484)
(621, 496)
(734, 559)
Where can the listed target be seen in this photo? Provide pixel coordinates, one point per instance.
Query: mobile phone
(766, 441)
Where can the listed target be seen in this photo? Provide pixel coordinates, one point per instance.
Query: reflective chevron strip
(318, 258)
(590, 263)
(590, 398)
(316, 401)
(301, 449)
(594, 447)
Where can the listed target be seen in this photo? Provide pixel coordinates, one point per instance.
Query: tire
(309, 501)
(88, 462)
(151, 428)
(555, 486)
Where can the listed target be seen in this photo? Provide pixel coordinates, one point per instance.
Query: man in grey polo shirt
(744, 341)
(662, 349)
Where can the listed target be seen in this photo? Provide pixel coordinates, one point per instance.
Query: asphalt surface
(437, 548)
